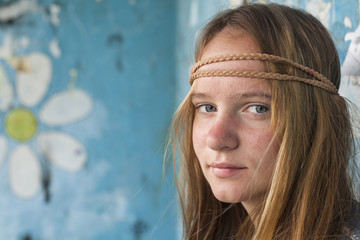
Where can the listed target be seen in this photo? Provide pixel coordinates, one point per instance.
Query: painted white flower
(33, 76)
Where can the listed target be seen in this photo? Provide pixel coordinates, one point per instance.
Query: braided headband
(320, 80)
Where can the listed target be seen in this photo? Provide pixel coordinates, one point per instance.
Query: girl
(265, 140)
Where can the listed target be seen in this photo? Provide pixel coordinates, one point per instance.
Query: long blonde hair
(312, 191)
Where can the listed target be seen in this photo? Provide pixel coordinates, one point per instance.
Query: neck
(254, 209)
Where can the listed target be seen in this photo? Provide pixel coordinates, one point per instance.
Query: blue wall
(128, 63)
(123, 54)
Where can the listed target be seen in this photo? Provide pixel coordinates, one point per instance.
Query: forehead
(230, 88)
(229, 42)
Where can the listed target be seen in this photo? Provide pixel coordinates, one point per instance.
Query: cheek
(268, 151)
(259, 138)
(198, 138)
(260, 145)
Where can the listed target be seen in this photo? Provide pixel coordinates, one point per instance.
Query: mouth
(225, 170)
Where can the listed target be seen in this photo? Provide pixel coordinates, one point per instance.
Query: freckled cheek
(198, 137)
(258, 141)
(268, 154)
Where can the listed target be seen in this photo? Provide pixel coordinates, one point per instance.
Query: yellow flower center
(21, 124)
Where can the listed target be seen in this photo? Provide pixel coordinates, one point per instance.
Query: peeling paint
(236, 3)
(54, 14)
(321, 10)
(54, 48)
(350, 79)
(351, 65)
(347, 22)
(17, 9)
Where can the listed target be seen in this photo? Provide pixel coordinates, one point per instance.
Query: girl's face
(232, 132)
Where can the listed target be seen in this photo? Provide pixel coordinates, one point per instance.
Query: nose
(222, 135)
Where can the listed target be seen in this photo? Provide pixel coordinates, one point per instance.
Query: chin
(228, 197)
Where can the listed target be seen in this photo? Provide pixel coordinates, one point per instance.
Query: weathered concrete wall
(98, 77)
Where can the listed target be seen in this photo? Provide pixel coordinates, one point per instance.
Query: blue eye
(207, 108)
(258, 109)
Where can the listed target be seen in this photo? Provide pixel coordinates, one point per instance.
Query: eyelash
(254, 109)
(205, 106)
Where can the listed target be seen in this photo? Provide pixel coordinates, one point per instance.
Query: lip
(224, 170)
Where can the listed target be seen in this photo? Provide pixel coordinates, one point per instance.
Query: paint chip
(17, 9)
(347, 22)
(320, 9)
(54, 48)
(54, 17)
(236, 3)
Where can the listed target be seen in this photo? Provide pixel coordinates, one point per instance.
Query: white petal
(6, 91)
(3, 148)
(62, 150)
(33, 78)
(66, 107)
(25, 172)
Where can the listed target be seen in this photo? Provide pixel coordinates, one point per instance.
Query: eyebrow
(255, 94)
(261, 94)
(198, 95)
